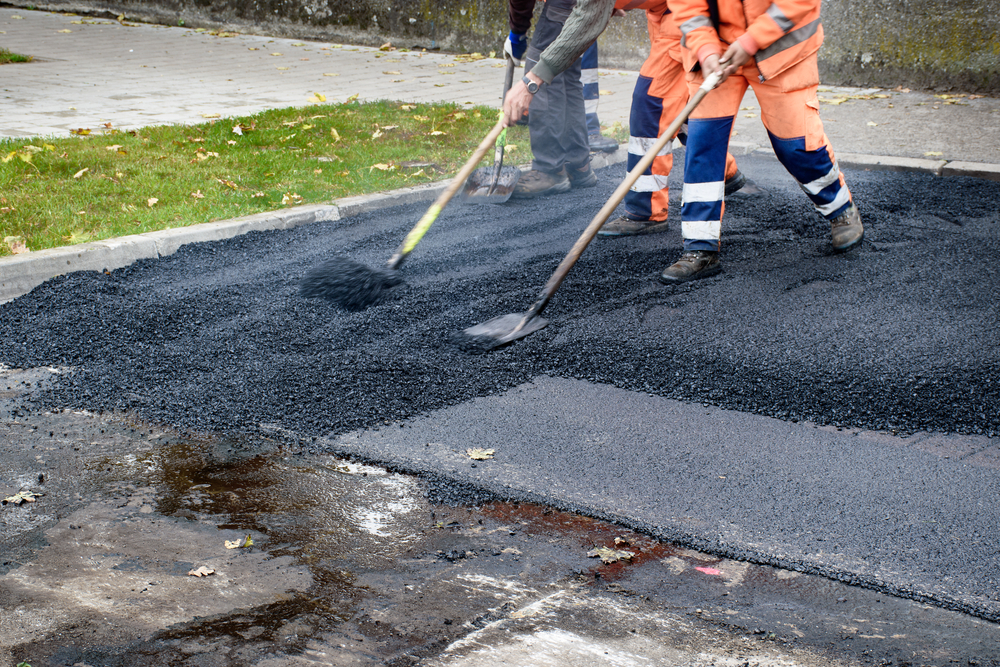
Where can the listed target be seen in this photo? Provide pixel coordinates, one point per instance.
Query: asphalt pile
(899, 335)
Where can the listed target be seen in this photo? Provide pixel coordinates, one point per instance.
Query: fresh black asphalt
(898, 336)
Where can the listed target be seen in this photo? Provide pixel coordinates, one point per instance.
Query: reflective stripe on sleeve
(779, 17)
(789, 40)
(694, 24)
(701, 230)
(588, 76)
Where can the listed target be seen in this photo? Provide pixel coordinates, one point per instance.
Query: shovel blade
(477, 188)
(502, 330)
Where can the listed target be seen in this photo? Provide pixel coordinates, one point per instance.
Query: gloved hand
(515, 46)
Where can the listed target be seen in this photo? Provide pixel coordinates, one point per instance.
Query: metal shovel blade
(477, 188)
(502, 330)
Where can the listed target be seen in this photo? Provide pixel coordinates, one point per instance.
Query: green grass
(8, 57)
(109, 183)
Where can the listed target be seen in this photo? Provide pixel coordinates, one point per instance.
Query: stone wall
(945, 45)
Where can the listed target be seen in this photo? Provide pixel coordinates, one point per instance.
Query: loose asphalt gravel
(899, 335)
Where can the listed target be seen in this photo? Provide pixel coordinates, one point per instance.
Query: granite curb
(19, 274)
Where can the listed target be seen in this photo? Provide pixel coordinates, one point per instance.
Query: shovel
(508, 328)
(494, 185)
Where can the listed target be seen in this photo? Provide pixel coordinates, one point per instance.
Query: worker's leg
(790, 111)
(591, 95)
(705, 160)
(556, 118)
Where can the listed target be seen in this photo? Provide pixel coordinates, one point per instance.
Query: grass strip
(104, 182)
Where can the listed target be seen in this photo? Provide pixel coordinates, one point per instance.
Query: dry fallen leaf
(610, 555)
(437, 133)
(408, 107)
(334, 134)
(376, 134)
(211, 115)
(15, 243)
(277, 54)
(81, 131)
(392, 72)
(933, 153)
(351, 98)
(197, 195)
(290, 199)
(239, 544)
(331, 74)
(382, 167)
(872, 124)
(151, 202)
(606, 92)
(479, 454)
(201, 572)
(81, 172)
(22, 497)
(229, 184)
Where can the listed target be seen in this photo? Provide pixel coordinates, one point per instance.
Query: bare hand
(734, 58)
(516, 104)
(617, 12)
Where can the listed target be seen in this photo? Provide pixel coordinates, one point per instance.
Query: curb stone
(19, 274)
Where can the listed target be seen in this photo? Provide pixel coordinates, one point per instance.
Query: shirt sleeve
(586, 22)
(519, 14)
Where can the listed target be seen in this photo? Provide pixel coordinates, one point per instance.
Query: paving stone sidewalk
(89, 71)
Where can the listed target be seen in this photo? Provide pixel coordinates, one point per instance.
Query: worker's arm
(585, 23)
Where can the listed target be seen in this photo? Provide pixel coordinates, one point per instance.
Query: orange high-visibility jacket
(786, 32)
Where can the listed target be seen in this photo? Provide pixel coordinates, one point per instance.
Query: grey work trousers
(557, 118)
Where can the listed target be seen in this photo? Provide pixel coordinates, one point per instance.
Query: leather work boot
(735, 183)
(581, 178)
(692, 265)
(623, 226)
(602, 144)
(534, 183)
(846, 231)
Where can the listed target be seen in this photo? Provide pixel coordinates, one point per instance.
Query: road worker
(772, 47)
(660, 94)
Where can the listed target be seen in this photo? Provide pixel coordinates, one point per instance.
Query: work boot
(534, 183)
(692, 265)
(581, 178)
(735, 183)
(845, 230)
(601, 144)
(623, 226)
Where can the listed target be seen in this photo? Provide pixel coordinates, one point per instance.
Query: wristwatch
(532, 86)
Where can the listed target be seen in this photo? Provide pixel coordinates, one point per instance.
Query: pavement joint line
(19, 274)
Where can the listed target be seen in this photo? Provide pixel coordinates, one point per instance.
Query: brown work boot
(581, 178)
(534, 183)
(692, 265)
(846, 230)
(622, 226)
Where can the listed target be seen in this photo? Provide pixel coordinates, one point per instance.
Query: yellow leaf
(239, 544)
(386, 47)
(376, 134)
(437, 133)
(606, 92)
(211, 115)
(381, 167)
(49, 147)
(421, 118)
(290, 198)
(277, 54)
(320, 96)
(308, 127)
(282, 68)
(151, 202)
(331, 74)
(228, 184)
(351, 98)
(334, 134)
(80, 131)
(392, 73)
(479, 454)
(344, 173)
(408, 107)
(112, 147)
(933, 153)
(833, 100)
(872, 124)
(81, 172)
(750, 115)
